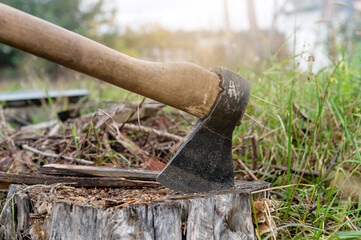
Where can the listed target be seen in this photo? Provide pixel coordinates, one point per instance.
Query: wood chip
(78, 198)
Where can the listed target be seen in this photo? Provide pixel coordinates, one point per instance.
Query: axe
(218, 97)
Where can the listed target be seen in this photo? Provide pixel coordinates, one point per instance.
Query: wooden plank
(99, 171)
(75, 181)
(23, 98)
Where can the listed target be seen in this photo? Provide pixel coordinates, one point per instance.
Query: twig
(39, 126)
(53, 155)
(132, 113)
(269, 133)
(261, 133)
(134, 149)
(4, 130)
(110, 115)
(255, 155)
(60, 155)
(159, 133)
(263, 100)
(128, 144)
(253, 119)
(333, 163)
(296, 109)
(351, 225)
(247, 170)
(106, 141)
(304, 172)
(294, 200)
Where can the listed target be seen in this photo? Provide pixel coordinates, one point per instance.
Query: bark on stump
(215, 215)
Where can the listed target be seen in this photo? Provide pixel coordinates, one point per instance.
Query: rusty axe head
(204, 161)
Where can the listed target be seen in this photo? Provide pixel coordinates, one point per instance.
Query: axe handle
(183, 85)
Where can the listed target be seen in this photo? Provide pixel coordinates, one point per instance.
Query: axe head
(204, 161)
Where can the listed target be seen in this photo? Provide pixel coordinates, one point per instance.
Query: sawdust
(43, 196)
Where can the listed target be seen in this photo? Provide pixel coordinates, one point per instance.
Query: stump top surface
(122, 197)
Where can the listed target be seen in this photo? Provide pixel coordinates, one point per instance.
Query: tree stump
(30, 213)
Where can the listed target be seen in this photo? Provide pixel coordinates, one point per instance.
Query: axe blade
(204, 161)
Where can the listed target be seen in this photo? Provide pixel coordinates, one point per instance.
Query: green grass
(327, 206)
(75, 136)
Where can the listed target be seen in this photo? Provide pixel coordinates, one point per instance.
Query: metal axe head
(204, 161)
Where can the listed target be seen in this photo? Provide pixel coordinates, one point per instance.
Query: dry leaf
(263, 215)
(155, 164)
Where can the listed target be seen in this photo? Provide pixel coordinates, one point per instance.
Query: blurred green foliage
(83, 17)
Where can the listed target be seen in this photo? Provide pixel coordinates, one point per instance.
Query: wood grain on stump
(30, 213)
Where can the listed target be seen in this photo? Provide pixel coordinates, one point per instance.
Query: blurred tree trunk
(273, 45)
(227, 36)
(258, 45)
(226, 16)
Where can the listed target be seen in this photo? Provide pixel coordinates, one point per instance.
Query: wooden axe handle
(185, 86)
